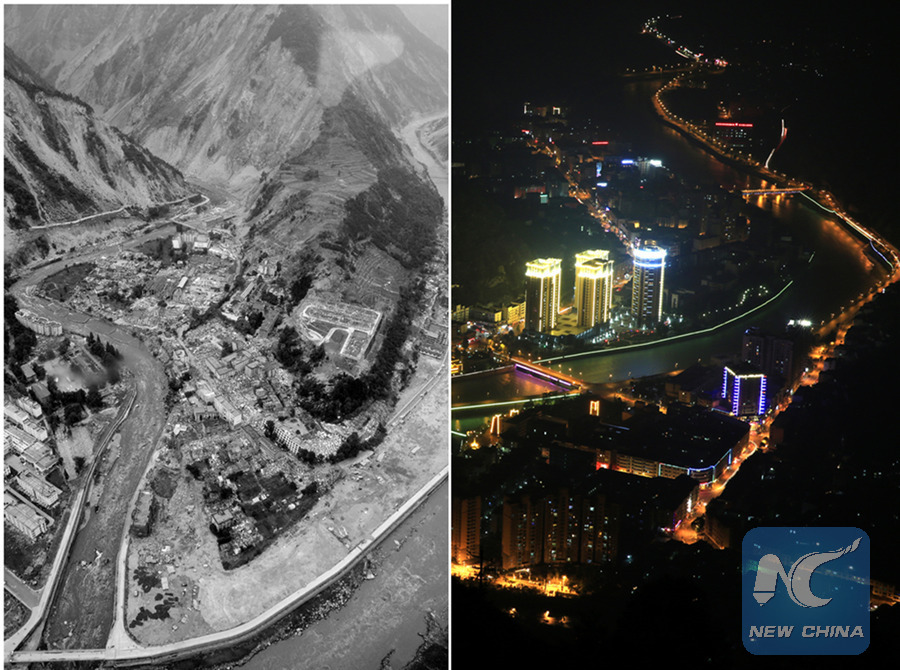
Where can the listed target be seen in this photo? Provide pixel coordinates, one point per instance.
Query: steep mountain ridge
(229, 92)
(358, 174)
(62, 162)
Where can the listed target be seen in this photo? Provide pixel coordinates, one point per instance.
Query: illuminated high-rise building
(542, 283)
(744, 386)
(593, 287)
(465, 542)
(647, 285)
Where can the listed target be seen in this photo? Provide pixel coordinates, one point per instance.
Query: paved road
(20, 590)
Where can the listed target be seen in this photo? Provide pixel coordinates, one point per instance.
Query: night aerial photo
(226, 336)
(674, 320)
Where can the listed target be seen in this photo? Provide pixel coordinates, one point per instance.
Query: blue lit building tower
(647, 285)
(744, 389)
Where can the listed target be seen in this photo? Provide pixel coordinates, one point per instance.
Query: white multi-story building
(23, 420)
(24, 519)
(31, 407)
(37, 488)
(290, 433)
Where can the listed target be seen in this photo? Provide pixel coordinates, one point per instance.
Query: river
(82, 611)
(386, 616)
(836, 275)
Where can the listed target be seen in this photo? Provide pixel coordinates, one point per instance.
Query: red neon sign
(598, 143)
(734, 125)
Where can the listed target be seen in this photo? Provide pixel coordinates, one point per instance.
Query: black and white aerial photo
(226, 336)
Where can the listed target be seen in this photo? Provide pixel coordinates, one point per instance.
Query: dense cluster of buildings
(582, 525)
(690, 245)
(684, 440)
(155, 293)
(245, 388)
(27, 460)
(619, 479)
(250, 489)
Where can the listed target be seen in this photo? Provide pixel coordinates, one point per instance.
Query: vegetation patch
(25, 203)
(15, 614)
(56, 134)
(61, 285)
(55, 184)
(164, 484)
(97, 149)
(400, 213)
(147, 579)
(264, 198)
(161, 611)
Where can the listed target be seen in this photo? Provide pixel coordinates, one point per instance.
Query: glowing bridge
(558, 378)
(774, 191)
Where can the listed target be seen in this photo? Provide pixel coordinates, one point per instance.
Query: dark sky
(561, 46)
(500, 57)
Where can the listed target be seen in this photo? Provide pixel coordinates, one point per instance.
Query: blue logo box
(805, 591)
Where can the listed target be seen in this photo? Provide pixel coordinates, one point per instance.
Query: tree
(113, 375)
(94, 400)
(299, 289)
(72, 414)
(94, 345)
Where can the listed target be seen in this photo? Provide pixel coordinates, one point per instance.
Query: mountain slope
(227, 93)
(62, 162)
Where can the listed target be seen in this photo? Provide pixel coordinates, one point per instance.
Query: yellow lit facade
(593, 287)
(542, 283)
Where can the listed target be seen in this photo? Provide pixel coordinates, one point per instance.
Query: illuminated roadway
(774, 191)
(839, 323)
